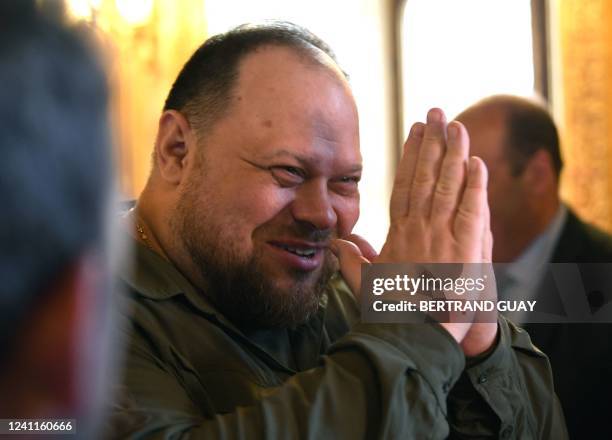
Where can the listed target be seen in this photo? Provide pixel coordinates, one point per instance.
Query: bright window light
(456, 52)
(135, 12)
(79, 9)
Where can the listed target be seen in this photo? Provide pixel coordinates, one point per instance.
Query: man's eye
(287, 175)
(347, 185)
(350, 179)
(292, 170)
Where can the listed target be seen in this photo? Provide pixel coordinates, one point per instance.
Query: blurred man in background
(54, 188)
(518, 140)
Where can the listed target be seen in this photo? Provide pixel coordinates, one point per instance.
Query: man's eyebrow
(305, 161)
(286, 153)
(357, 168)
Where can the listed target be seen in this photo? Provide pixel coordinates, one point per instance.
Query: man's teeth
(301, 252)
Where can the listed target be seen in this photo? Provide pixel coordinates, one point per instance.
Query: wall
(582, 97)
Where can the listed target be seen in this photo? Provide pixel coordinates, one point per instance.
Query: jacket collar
(155, 278)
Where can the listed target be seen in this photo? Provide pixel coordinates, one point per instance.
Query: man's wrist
(484, 344)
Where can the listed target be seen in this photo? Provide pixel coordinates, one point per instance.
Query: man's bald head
(518, 141)
(528, 127)
(203, 89)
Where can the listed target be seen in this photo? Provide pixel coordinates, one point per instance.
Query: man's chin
(285, 304)
(288, 280)
(285, 298)
(263, 293)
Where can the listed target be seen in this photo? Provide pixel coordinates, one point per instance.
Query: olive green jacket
(189, 371)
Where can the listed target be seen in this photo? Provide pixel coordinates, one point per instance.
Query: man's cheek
(261, 198)
(347, 218)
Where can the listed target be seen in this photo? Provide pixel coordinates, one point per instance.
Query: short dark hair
(202, 90)
(529, 128)
(55, 167)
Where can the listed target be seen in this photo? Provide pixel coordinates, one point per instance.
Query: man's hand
(439, 214)
(482, 335)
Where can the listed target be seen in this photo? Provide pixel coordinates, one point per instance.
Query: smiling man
(241, 325)
(268, 190)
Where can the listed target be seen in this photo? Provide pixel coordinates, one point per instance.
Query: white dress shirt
(520, 279)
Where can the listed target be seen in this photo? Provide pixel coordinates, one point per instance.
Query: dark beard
(239, 289)
(251, 301)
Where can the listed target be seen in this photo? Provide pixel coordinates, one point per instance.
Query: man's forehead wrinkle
(329, 140)
(322, 128)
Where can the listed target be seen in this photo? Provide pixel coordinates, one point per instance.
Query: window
(456, 52)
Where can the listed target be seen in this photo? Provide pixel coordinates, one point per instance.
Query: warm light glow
(135, 12)
(79, 9)
(456, 52)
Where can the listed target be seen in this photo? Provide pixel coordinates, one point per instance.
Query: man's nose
(313, 205)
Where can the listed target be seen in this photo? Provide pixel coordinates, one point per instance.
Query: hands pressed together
(439, 214)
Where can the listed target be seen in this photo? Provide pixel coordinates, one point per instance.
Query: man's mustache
(310, 233)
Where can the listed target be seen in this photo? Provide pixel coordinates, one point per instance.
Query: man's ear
(174, 139)
(539, 174)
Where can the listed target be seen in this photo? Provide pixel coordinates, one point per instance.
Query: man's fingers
(367, 250)
(350, 259)
(428, 164)
(452, 174)
(468, 224)
(487, 246)
(405, 172)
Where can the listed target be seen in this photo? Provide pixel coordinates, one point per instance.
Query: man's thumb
(351, 259)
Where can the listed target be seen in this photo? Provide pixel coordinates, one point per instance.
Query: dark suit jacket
(581, 354)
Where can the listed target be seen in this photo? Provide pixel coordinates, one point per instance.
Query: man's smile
(299, 254)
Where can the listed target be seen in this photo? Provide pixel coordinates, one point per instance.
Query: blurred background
(403, 57)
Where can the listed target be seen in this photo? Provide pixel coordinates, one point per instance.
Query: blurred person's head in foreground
(54, 187)
(518, 141)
